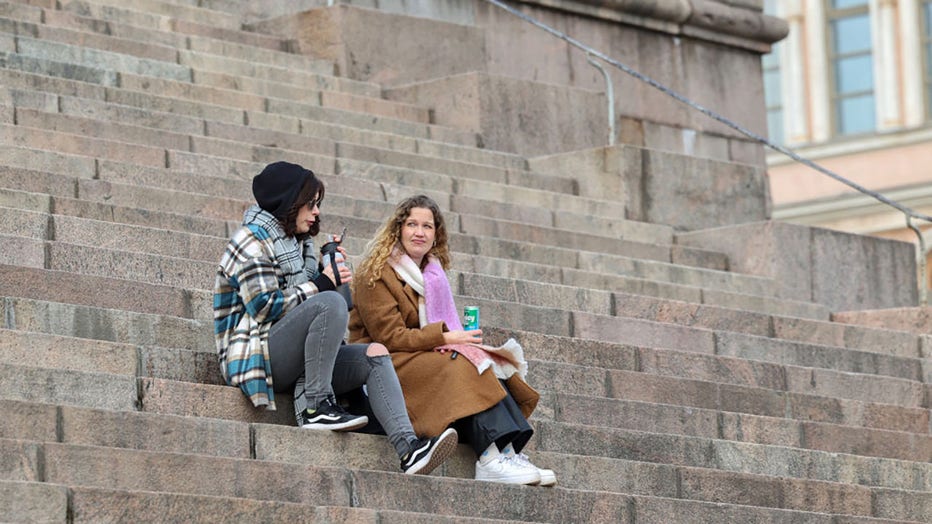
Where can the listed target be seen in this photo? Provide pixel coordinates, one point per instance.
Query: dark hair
(312, 186)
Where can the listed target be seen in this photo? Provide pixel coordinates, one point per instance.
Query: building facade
(851, 89)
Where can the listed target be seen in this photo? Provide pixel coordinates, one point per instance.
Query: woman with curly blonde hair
(403, 300)
(380, 247)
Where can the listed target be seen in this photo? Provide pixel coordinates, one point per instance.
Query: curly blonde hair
(379, 249)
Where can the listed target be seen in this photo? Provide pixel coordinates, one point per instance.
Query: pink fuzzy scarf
(435, 303)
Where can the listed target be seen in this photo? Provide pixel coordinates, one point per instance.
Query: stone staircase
(675, 387)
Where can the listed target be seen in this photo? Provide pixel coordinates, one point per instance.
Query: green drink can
(470, 317)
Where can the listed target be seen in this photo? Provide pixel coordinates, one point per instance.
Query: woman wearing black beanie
(279, 324)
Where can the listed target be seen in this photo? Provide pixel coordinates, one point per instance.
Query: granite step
(153, 12)
(376, 211)
(46, 502)
(106, 324)
(13, 21)
(111, 236)
(40, 186)
(599, 441)
(594, 300)
(78, 143)
(111, 468)
(242, 142)
(236, 439)
(112, 13)
(790, 389)
(43, 182)
(579, 410)
(635, 373)
(188, 260)
(200, 475)
(761, 459)
(82, 388)
(32, 83)
(643, 478)
(765, 416)
(64, 353)
(115, 62)
(275, 112)
(48, 352)
(362, 228)
(148, 41)
(485, 247)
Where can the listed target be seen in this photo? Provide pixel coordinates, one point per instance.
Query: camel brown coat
(438, 389)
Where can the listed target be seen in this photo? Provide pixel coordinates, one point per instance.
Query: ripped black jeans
(308, 356)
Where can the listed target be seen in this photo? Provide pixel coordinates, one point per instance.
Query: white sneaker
(547, 476)
(506, 470)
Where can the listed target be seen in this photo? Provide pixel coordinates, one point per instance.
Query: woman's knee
(376, 350)
(332, 304)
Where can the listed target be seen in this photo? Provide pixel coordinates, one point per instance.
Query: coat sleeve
(380, 310)
(254, 276)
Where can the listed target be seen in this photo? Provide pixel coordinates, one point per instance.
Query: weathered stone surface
(641, 332)
(689, 193)
(67, 387)
(152, 432)
(512, 115)
(391, 51)
(37, 350)
(33, 502)
(805, 262)
(202, 400)
(20, 460)
(816, 356)
(106, 505)
(113, 468)
(916, 320)
(22, 251)
(104, 324)
(28, 421)
(497, 501)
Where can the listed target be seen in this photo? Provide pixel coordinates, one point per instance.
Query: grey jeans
(308, 356)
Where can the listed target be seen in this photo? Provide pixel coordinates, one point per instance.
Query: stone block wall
(840, 270)
(706, 50)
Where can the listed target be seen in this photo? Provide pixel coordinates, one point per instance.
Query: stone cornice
(729, 22)
(858, 213)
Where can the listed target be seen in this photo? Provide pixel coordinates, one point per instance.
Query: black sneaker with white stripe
(427, 454)
(332, 416)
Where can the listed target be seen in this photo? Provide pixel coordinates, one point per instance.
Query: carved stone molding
(729, 21)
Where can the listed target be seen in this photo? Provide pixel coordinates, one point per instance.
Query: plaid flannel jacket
(249, 295)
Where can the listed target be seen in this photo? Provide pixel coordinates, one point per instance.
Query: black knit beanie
(277, 187)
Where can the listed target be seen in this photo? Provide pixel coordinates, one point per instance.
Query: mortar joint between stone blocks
(40, 463)
(354, 493)
(252, 442)
(140, 388)
(59, 424)
(677, 483)
(720, 425)
(9, 314)
(638, 360)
